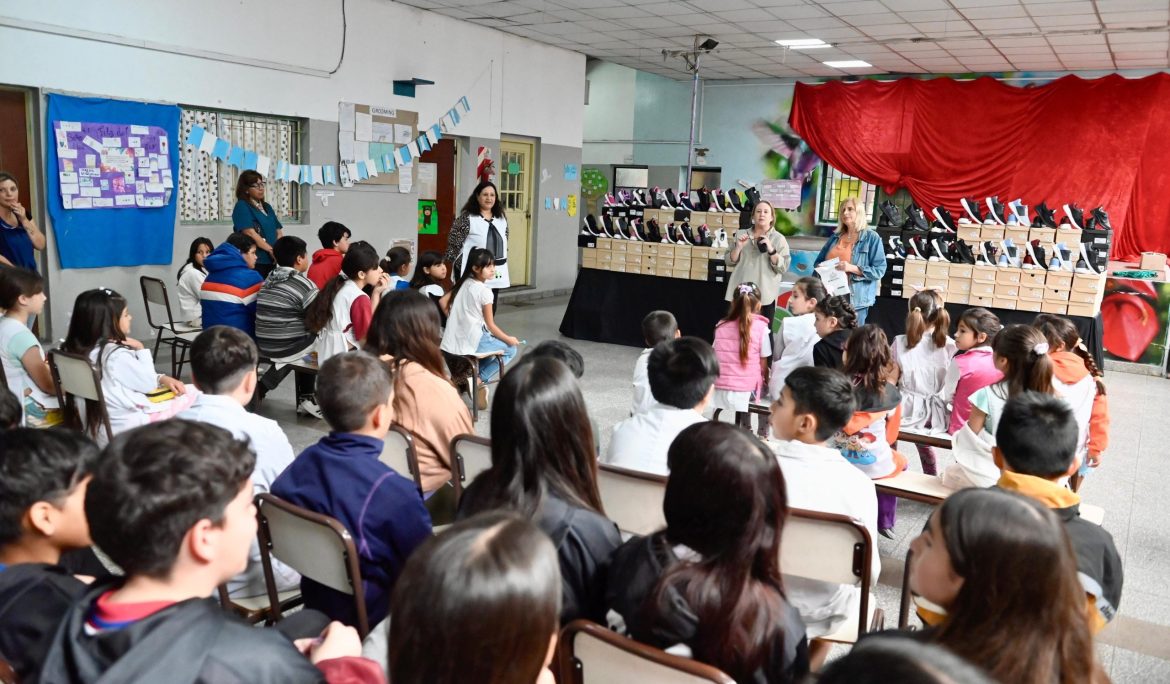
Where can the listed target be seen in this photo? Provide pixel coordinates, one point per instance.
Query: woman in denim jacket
(861, 256)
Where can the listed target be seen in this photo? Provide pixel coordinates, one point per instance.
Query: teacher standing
(861, 256)
(256, 218)
(19, 234)
(481, 224)
(760, 255)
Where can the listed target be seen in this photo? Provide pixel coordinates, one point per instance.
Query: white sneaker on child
(309, 406)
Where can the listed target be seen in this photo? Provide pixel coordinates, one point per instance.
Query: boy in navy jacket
(228, 294)
(341, 476)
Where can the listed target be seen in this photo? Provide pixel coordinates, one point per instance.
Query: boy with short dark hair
(682, 375)
(657, 327)
(281, 334)
(334, 239)
(223, 367)
(171, 504)
(561, 352)
(228, 294)
(43, 478)
(1036, 448)
(10, 412)
(813, 405)
(341, 476)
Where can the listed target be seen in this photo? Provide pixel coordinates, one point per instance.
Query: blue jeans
(489, 368)
(862, 313)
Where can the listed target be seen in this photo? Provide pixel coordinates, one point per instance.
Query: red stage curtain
(1094, 142)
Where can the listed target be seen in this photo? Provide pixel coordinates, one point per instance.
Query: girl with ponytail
(924, 353)
(743, 346)
(341, 314)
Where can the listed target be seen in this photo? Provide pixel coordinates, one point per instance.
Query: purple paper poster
(107, 166)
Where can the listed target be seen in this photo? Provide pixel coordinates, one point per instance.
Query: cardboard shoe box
(1088, 282)
(1009, 276)
(1031, 292)
(993, 233)
(986, 302)
(983, 273)
(1044, 235)
(962, 271)
(980, 288)
(958, 285)
(938, 269)
(1059, 280)
(605, 243)
(1052, 294)
(1004, 302)
(1033, 277)
(1029, 305)
(1086, 310)
(970, 233)
(916, 269)
(1059, 308)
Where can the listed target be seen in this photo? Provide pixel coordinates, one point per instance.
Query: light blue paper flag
(466, 106)
(363, 172)
(221, 149)
(330, 175)
(423, 143)
(307, 174)
(294, 173)
(195, 139)
(547, 202)
(236, 156)
(380, 165)
(437, 131)
(249, 160)
(454, 116)
(404, 155)
(388, 162)
(281, 170)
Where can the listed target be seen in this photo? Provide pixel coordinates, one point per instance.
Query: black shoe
(896, 249)
(1037, 223)
(703, 236)
(671, 199)
(607, 225)
(1100, 219)
(653, 232)
(963, 252)
(971, 206)
(891, 214)
(736, 203)
(1075, 214)
(887, 532)
(1038, 254)
(1047, 216)
(915, 214)
(753, 196)
(944, 217)
(591, 226)
(995, 210)
(704, 199)
(938, 228)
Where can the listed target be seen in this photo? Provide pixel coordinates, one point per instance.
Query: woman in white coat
(481, 224)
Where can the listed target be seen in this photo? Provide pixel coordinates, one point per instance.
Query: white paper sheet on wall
(345, 121)
(363, 126)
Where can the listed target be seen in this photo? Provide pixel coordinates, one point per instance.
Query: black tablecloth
(608, 306)
(889, 313)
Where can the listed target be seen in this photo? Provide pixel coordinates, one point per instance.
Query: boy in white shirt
(223, 366)
(814, 404)
(681, 375)
(657, 326)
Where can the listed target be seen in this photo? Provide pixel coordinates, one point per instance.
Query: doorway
(442, 155)
(17, 146)
(515, 170)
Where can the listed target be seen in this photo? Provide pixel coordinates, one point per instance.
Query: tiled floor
(1129, 486)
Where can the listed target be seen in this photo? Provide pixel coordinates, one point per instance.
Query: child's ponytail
(1026, 351)
(361, 257)
(1061, 332)
(744, 301)
(813, 288)
(838, 307)
(927, 312)
(868, 361)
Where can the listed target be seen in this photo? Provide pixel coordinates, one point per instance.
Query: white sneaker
(721, 239)
(309, 406)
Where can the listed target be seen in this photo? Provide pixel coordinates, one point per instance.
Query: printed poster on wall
(112, 166)
(428, 217)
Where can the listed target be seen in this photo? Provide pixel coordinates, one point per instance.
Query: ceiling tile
(932, 15)
(916, 5)
(815, 23)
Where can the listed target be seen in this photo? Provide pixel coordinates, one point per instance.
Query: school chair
(254, 609)
(315, 545)
(398, 453)
(632, 499)
(75, 376)
(591, 654)
(837, 549)
(472, 455)
(465, 370)
(154, 292)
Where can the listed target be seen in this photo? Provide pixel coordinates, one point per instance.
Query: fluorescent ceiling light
(849, 64)
(803, 43)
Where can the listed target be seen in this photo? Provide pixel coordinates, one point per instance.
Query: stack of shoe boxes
(1032, 289)
(657, 259)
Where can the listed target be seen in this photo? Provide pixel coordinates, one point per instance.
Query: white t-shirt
(465, 325)
(15, 341)
(793, 348)
(432, 290)
(643, 397)
(190, 308)
(640, 442)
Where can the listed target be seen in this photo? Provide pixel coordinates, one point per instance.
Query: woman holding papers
(256, 218)
(759, 255)
(859, 254)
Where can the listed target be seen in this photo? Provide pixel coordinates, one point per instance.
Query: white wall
(609, 114)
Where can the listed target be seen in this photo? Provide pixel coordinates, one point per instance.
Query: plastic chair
(592, 654)
(315, 545)
(472, 455)
(399, 454)
(632, 499)
(75, 376)
(154, 292)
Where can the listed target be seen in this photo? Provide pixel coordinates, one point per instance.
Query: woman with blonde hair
(859, 253)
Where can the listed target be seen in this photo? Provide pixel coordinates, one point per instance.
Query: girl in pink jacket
(743, 346)
(973, 367)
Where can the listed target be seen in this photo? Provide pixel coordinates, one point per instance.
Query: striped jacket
(280, 313)
(229, 293)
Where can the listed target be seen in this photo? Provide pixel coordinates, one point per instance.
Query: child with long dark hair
(396, 265)
(794, 342)
(190, 279)
(868, 440)
(923, 354)
(341, 314)
(834, 320)
(544, 466)
(743, 346)
(973, 366)
(22, 297)
(134, 391)
(429, 273)
(711, 580)
(471, 327)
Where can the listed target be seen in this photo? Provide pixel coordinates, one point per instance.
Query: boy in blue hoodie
(229, 292)
(341, 476)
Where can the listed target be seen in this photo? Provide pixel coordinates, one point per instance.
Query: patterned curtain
(198, 177)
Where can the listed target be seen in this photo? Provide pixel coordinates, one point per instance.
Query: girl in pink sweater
(743, 346)
(973, 367)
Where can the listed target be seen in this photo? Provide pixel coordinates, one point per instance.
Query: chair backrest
(75, 375)
(398, 453)
(315, 545)
(473, 455)
(831, 548)
(592, 654)
(154, 291)
(632, 499)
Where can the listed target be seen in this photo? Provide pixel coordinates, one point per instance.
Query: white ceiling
(895, 36)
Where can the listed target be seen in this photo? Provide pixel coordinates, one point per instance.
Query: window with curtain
(835, 187)
(207, 186)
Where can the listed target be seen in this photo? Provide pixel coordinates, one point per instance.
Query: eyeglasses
(257, 184)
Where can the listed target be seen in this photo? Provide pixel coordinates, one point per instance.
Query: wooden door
(442, 155)
(515, 174)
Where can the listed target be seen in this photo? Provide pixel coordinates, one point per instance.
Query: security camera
(709, 44)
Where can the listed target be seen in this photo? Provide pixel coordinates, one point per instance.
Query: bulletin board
(367, 133)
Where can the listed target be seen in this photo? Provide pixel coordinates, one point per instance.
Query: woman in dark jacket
(711, 580)
(544, 466)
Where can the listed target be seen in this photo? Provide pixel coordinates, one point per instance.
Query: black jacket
(1098, 563)
(33, 599)
(584, 540)
(634, 572)
(191, 642)
(828, 351)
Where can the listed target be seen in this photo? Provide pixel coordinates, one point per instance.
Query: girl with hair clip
(135, 393)
(794, 342)
(478, 603)
(405, 334)
(834, 320)
(471, 327)
(923, 354)
(190, 280)
(544, 467)
(973, 366)
(1078, 381)
(429, 273)
(868, 440)
(1021, 355)
(709, 584)
(396, 265)
(743, 346)
(1001, 566)
(341, 314)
